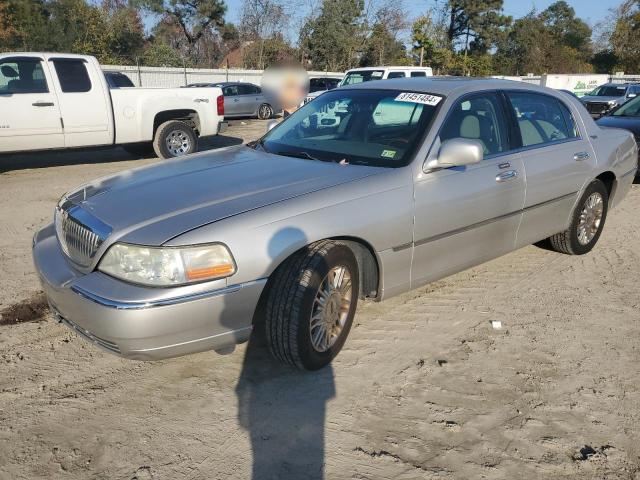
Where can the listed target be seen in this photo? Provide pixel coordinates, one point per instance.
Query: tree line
(455, 37)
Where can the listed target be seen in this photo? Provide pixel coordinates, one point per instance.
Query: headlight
(167, 266)
(612, 103)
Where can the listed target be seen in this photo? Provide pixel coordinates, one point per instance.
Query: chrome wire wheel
(178, 143)
(590, 218)
(330, 308)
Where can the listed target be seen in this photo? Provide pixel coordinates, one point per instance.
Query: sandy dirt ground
(425, 388)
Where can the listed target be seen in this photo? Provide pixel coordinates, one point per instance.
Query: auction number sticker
(423, 98)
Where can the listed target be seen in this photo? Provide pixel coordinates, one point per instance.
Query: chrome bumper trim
(106, 302)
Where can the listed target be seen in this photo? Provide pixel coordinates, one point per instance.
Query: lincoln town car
(368, 191)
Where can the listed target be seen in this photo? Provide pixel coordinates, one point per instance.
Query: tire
(139, 150)
(292, 305)
(174, 138)
(575, 240)
(265, 111)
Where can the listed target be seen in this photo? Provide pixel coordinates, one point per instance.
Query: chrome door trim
(483, 223)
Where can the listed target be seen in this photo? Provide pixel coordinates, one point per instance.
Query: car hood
(589, 98)
(628, 123)
(153, 204)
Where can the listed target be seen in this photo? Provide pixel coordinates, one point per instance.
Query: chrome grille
(597, 107)
(79, 241)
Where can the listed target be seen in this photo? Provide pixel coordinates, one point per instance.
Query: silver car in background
(243, 100)
(609, 96)
(366, 192)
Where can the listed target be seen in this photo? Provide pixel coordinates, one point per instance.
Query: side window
(478, 118)
(230, 91)
(245, 89)
(22, 75)
(418, 74)
(570, 122)
(540, 119)
(72, 75)
(396, 75)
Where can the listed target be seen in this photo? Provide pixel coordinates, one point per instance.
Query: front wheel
(265, 112)
(587, 222)
(174, 139)
(311, 304)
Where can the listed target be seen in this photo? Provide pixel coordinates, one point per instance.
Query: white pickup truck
(52, 101)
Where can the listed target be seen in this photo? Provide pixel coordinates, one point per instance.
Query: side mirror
(271, 124)
(458, 152)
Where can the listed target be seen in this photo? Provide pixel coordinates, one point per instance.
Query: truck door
(29, 113)
(85, 105)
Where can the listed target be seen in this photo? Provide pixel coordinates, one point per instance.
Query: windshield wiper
(303, 154)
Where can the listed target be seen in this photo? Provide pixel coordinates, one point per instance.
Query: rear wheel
(311, 304)
(587, 222)
(265, 111)
(174, 138)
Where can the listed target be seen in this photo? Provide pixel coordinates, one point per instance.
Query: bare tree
(262, 20)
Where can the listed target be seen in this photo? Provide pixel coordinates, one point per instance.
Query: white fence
(179, 77)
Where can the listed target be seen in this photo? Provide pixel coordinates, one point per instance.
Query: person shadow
(282, 408)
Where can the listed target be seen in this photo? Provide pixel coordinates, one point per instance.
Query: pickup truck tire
(139, 150)
(265, 111)
(174, 138)
(587, 222)
(311, 302)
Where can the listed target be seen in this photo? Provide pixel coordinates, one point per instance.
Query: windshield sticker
(388, 153)
(423, 98)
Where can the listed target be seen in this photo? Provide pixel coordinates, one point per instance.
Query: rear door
(557, 157)
(467, 215)
(29, 111)
(249, 99)
(84, 103)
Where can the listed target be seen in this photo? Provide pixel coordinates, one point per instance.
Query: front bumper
(143, 323)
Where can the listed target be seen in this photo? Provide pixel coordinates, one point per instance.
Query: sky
(592, 11)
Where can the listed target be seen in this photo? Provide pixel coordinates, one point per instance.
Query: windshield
(629, 109)
(609, 91)
(364, 127)
(351, 78)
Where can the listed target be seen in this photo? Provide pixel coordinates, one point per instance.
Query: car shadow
(84, 156)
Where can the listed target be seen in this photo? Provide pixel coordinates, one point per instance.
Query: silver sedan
(243, 100)
(364, 193)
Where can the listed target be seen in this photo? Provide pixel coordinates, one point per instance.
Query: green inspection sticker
(388, 153)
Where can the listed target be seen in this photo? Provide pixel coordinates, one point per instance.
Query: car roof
(389, 67)
(447, 85)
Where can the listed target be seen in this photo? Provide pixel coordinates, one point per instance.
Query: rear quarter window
(72, 75)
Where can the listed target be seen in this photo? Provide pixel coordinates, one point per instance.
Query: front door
(231, 100)
(557, 159)
(29, 112)
(467, 215)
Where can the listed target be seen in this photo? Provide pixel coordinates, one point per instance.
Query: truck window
(72, 75)
(418, 74)
(396, 75)
(22, 75)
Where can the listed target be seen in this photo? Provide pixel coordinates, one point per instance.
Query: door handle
(236, 100)
(42, 104)
(201, 100)
(504, 176)
(578, 157)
